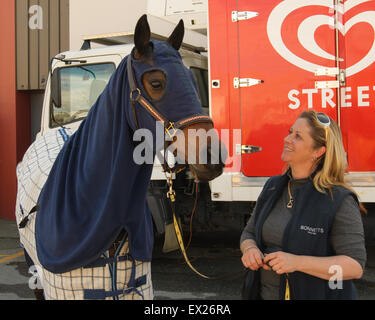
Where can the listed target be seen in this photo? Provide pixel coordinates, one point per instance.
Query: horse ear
(177, 35)
(142, 35)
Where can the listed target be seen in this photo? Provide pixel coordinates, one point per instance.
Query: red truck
(270, 60)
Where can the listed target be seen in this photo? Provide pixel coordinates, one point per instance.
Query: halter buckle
(138, 95)
(171, 128)
(171, 194)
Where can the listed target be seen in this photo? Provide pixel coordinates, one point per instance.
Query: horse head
(167, 90)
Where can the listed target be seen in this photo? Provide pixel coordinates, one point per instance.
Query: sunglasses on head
(323, 119)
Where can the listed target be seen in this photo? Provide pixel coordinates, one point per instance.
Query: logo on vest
(311, 230)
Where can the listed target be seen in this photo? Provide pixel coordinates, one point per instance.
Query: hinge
(245, 82)
(327, 72)
(244, 149)
(334, 72)
(327, 84)
(243, 15)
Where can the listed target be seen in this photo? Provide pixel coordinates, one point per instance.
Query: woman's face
(298, 146)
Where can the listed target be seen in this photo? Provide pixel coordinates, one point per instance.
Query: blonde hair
(332, 165)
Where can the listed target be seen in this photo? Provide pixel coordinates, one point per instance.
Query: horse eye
(157, 85)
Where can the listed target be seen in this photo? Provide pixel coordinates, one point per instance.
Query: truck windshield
(80, 87)
(201, 77)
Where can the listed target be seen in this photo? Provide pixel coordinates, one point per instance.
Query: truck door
(357, 111)
(287, 64)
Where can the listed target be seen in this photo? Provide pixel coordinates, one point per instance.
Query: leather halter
(169, 126)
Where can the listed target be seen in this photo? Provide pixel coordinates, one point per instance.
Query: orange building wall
(14, 113)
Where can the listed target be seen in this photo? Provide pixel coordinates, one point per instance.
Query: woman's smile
(287, 148)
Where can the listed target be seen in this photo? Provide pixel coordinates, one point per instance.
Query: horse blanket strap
(64, 134)
(25, 220)
(170, 127)
(132, 285)
(101, 262)
(100, 294)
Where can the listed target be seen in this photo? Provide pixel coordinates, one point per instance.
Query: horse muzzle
(213, 162)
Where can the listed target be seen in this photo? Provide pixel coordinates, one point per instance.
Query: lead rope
(287, 290)
(171, 195)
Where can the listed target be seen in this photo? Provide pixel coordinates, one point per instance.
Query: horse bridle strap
(169, 126)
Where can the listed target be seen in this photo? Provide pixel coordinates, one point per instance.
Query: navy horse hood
(181, 99)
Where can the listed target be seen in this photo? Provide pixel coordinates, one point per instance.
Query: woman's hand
(252, 258)
(281, 262)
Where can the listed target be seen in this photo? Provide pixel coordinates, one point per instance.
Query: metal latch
(244, 149)
(342, 77)
(245, 82)
(243, 15)
(327, 84)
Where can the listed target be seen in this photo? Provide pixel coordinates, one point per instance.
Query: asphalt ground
(214, 253)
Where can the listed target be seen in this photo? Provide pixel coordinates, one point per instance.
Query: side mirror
(56, 88)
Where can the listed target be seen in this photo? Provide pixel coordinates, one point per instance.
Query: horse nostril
(205, 156)
(213, 154)
(209, 155)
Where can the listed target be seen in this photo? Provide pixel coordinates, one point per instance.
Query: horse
(81, 206)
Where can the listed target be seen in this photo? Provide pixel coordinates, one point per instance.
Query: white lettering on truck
(325, 97)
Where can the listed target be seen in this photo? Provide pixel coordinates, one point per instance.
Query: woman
(305, 239)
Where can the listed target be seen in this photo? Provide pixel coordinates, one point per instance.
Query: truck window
(201, 77)
(80, 87)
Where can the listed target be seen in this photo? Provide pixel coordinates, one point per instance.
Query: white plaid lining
(32, 174)
(73, 285)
